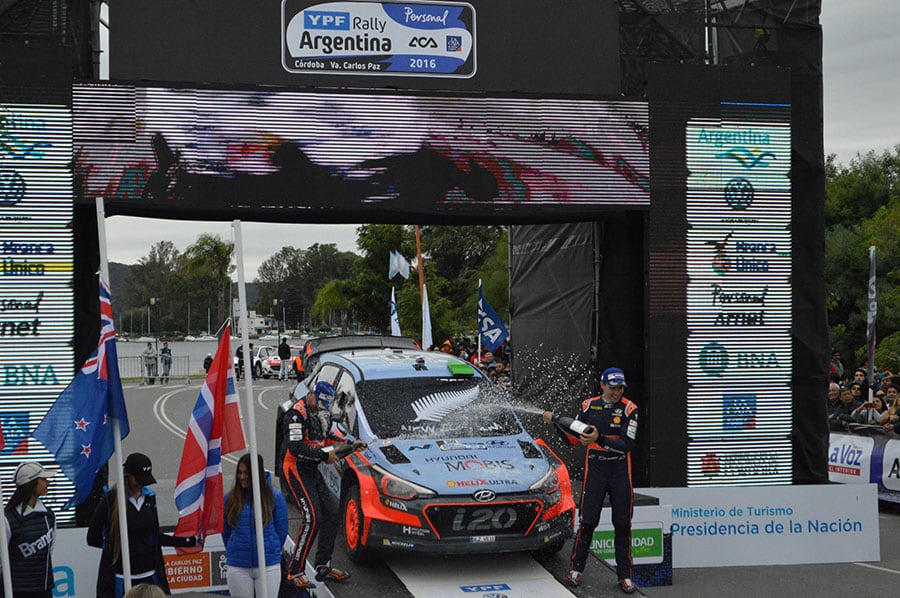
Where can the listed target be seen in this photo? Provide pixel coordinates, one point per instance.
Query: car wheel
(257, 368)
(354, 523)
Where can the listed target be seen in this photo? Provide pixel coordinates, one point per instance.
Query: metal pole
(251, 416)
(117, 434)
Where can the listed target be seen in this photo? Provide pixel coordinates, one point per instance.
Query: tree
(209, 265)
(862, 208)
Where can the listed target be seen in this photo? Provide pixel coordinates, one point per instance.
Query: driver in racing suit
(307, 430)
(613, 421)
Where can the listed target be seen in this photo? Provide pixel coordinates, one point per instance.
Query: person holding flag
(145, 540)
(239, 534)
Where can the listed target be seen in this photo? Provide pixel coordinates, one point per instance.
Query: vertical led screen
(738, 256)
(36, 301)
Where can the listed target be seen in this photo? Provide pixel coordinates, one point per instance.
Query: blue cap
(613, 377)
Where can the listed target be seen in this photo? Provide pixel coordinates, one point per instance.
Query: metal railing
(133, 367)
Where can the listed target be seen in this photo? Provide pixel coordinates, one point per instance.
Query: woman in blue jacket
(239, 533)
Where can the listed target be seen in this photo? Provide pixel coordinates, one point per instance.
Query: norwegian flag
(214, 430)
(78, 429)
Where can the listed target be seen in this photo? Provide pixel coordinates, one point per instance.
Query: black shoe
(326, 573)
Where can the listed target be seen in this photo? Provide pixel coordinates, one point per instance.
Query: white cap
(30, 471)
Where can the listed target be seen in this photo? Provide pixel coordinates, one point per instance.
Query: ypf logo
(713, 359)
(739, 193)
(12, 188)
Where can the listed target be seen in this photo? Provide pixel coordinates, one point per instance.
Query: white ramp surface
(508, 575)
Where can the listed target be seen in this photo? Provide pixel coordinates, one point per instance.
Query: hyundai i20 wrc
(449, 467)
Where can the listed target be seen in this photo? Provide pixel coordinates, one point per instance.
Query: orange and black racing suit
(607, 469)
(305, 434)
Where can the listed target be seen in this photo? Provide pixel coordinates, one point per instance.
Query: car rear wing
(326, 344)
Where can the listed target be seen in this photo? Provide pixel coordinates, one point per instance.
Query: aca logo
(739, 193)
(738, 412)
(16, 428)
(12, 188)
(713, 359)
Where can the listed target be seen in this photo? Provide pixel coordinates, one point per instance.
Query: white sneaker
(573, 578)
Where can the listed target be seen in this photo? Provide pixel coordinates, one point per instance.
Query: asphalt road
(159, 416)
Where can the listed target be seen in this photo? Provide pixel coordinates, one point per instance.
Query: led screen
(36, 299)
(352, 157)
(738, 296)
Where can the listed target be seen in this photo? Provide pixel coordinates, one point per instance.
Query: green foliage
(862, 209)
(887, 354)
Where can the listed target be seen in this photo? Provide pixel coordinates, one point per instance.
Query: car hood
(460, 466)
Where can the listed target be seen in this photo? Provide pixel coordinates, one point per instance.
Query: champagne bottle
(572, 424)
(341, 450)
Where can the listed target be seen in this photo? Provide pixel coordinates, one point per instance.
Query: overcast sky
(862, 113)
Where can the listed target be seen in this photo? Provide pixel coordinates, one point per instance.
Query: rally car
(449, 467)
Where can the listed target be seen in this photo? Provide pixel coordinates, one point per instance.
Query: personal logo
(739, 193)
(485, 495)
(12, 188)
(713, 359)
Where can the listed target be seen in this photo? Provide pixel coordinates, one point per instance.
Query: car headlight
(547, 484)
(395, 487)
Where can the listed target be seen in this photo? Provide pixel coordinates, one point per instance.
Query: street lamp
(153, 301)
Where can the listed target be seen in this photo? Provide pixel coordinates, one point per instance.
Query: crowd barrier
(133, 367)
(864, 459)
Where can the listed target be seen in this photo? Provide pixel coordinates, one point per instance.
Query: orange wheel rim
(351, 524)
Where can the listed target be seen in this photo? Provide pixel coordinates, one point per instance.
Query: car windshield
(436, 408)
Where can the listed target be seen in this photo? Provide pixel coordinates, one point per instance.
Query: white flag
(426, 320)
(398, 265)
(395, 321)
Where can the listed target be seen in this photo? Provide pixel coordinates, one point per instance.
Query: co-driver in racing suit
(613, 419)
(307, 430)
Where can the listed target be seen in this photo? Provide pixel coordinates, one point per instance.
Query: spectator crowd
(856, 404)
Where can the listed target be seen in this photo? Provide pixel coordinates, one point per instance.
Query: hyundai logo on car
(485, 495)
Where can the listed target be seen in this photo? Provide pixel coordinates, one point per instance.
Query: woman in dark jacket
(239, 533)
(145, 541)
(30, 528)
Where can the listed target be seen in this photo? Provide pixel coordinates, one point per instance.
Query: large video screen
(351, 157)
(36, 297)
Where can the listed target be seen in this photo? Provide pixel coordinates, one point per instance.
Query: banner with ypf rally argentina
(379, 38)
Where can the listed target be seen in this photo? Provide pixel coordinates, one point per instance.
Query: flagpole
(256, 474)
(4, 554)
(117, 435)
(870, 323)
(478, 324)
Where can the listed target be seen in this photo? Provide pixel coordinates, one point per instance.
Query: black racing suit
(305, 434)
(607, 470)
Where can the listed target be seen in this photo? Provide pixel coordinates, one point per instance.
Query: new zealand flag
(78, 429)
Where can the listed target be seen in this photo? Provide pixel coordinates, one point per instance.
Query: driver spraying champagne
(308, 441)
(607, 426)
